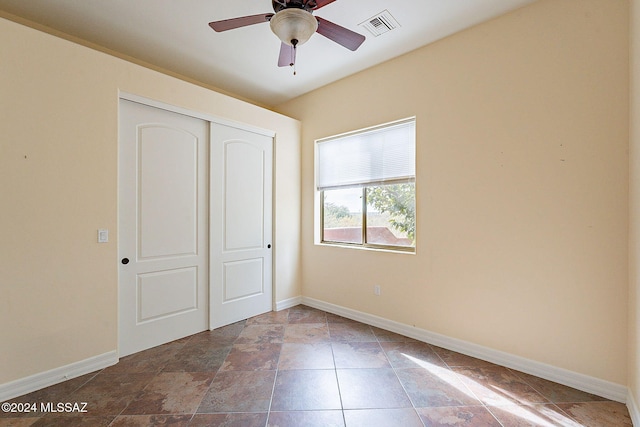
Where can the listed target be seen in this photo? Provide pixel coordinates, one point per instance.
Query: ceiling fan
(293, 22)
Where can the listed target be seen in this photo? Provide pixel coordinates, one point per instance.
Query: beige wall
(634, 206)
(58, 162)
(522, 181)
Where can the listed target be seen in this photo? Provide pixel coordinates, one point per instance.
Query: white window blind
(375, 156)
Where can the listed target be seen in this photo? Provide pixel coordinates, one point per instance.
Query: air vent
(381, 23)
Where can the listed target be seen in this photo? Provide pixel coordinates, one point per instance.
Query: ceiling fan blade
(343, 36)
(322, 3)
(243, 21)
(286, 57)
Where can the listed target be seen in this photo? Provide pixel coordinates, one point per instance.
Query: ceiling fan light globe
(293, 24)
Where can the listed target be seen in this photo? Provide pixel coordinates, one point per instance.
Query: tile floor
(304, 367)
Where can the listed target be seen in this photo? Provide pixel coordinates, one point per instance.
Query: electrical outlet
(377, 290)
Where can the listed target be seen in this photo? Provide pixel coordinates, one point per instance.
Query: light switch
(103, 236)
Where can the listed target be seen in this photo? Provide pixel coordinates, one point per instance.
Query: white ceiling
(174, 35)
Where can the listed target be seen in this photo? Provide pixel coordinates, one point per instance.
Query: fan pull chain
(294, 43)
(295, 50)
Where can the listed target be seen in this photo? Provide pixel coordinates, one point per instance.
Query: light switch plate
(103, 236)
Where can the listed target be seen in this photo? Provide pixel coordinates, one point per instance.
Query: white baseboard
(288, 303)
(609, 390)
(586, 383)
(634, 411)
(45, 379)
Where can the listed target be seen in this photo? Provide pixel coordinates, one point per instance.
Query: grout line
(395, 372)
(472, 393)
(275, 378)
(517, 374)
(458, 376)
(335, 372)
(273, 390)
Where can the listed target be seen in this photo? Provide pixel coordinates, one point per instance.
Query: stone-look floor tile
(598, 413)
(306, 390)
(359, 355)
(435, 387)
(151, 420)
(403, 355)
(382, 418)
(172, 393)
(498, 386)
(225, 335)
(55, 393)
(304, 314)
(306, 419)
(371, 389)
(198, 357)
(19, 422)
(74, 420)
(252, 357)
(261, 334)
(147, 361)
(232, 330)
(460, 416)
(229, 420)
(558, 393)
(351, 332)
(306, 356)
(109, 394)
(212, 341)
(459, 360)
(239, 391)
(302, 345)
(207, 341)
(306, 333)
(334, 318)
(270, 318)
(387, 336)
(539, 415)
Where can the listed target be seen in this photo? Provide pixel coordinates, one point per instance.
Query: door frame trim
(195, 114)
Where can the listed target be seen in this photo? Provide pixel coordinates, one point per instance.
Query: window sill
(411, 251)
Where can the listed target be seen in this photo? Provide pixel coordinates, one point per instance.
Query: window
(366, 183)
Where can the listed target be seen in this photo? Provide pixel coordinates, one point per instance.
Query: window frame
(320, 193)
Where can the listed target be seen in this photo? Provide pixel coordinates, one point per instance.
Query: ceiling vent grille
(381, 23)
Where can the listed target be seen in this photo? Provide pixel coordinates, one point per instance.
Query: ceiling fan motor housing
(307, 5)
(293, 24)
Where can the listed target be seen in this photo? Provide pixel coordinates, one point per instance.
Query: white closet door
(163, 226)
(241, 224)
